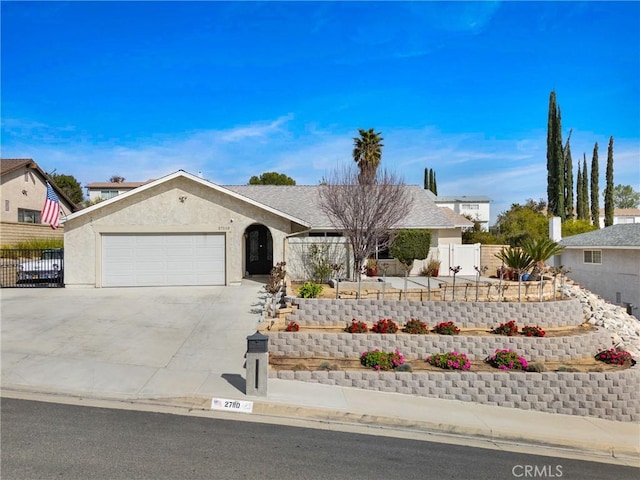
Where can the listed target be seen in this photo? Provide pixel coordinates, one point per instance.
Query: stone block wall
(612, 396)
(351, 345)
(324, 312)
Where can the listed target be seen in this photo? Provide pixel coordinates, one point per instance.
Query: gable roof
(300, 203)
(194, 178)
(623, 235)
(9, 165)
(303, 201)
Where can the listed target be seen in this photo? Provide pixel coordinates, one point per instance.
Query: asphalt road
(55, 441)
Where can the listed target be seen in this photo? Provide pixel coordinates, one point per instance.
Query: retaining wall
(610, 395)
(613, 396)
(339, 312)
(351, 345)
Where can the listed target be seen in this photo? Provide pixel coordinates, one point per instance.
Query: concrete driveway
(129, 342)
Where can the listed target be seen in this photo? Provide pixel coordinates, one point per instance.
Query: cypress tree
(426, 179)
(579, 200)
(585, 189)
(431, 179)
(551, 164)
(595, 202)
(560, 172)
(434, 186)
(555, 160)
(608, 191)
(568, 179)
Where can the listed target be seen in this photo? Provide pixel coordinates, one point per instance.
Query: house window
(6, 206)
(593, 256)
(28, 216)
(470, 206)
(107, 194)
(26, 176)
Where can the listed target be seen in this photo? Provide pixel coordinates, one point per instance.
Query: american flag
(51, 210)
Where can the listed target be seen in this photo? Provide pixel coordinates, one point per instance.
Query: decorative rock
(624, 328)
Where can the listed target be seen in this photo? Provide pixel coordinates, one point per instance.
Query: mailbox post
(257, 364)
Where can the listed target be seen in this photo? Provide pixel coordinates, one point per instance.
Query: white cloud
(506, 170)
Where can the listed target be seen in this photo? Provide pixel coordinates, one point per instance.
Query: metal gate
(22, 268)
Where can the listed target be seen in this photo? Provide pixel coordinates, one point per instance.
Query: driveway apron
(131, 342)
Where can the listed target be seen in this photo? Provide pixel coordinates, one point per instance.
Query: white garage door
(143, 260)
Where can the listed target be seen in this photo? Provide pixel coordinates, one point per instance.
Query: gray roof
(302, 201)
(621, 235)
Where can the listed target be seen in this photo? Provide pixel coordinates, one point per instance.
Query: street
(48, 440)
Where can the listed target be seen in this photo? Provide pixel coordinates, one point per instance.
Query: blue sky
(235, 89)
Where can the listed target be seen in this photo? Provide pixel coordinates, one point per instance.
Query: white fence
(464, 256)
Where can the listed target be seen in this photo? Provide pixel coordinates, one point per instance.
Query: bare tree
(365, 213)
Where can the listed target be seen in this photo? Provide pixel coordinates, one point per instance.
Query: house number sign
(231, 405)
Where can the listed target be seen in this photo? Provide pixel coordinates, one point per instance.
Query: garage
(150, 260)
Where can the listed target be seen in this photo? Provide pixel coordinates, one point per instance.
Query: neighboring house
(606, 262)
(23, 190)
(622, 215)
(184, 230)
(476, 207)
(107, 190)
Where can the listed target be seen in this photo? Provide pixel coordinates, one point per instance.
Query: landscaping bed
(280, 362)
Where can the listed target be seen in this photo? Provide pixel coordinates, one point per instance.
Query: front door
(259, 250)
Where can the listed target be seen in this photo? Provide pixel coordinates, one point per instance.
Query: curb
(327, 419)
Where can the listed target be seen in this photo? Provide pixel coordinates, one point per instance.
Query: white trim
(194, 178)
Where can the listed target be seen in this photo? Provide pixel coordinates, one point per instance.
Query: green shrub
(446, 328)
(504, 359)
(325, 365)
(416, 327)
(386, 325)
(536, 367)
(450, 361)
(509, 329)
(309, 290)
(565, 368)
(37, 244)
(379, 360)
(405, 367)
(356, 326)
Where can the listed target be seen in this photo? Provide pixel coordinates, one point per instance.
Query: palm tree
(367, 152)
(540, 251)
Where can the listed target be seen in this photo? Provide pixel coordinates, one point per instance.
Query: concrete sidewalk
(174, 349)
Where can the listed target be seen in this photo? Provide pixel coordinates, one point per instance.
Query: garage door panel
(163, 260)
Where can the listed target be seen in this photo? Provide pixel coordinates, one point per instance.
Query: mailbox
(257, 343)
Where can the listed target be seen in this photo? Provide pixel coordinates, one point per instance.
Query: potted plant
(372, 267)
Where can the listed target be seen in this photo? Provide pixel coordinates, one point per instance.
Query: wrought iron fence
(31, 268)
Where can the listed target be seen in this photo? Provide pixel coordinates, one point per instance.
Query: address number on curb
(231, 405)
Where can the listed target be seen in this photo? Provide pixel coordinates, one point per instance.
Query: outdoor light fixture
(182, 198)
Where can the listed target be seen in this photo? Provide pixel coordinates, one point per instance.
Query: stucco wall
(159, 210)
(618, 273)
(13, 185)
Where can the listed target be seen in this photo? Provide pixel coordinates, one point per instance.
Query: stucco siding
(35, 193)
(177, 206)
(619, 272)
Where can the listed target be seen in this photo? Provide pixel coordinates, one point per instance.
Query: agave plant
(540, 251)
(516, 258)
